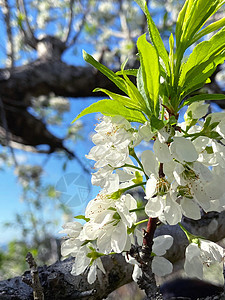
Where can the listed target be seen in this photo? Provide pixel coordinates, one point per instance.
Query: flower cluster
(182, 174)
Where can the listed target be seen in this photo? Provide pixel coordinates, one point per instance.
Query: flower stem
(137, 209)
(132, 153)
(133, 186)
(134, 167)
(140, 222)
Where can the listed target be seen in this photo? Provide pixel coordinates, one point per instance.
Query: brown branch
(77, 34)
(6, 131)
(70, 23)
(28, 32)
(149, 233)
(10, 48)
(34, 282)
(59, 284)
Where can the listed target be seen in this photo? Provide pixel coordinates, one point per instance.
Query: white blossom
(200, 257)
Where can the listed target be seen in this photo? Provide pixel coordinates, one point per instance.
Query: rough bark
(41, 77)
(58, 283)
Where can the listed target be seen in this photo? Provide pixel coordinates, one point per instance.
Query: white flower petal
(92, 273)
(194, 268)
(154, 207)
(151, 186)
(100, 265)
(137, 273)
(162, 152)
(119, 237)
(214, 251)
(190, 209)
(161, 266)
(81, 262)
(149, 162)
(183, 150)
(161, 244)
(172, 211)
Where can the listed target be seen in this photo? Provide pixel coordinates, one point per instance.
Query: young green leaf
(81, 217)
(128, 72)
(202, 61)
(212, 27)
(192, 17)
(203, 97)
(107, 72)
(156, 124)
(180, 23)
(136, 96)
(126, 101)
(154, 35)
(150, 72)
(171, 57)
(113, 108)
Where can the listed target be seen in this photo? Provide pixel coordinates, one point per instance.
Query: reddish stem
(149, 233)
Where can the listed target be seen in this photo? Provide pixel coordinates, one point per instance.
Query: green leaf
(20, 18)
(141, 3)
(140, 87)
(156, 124)
(171, 57)
(81, 217)
(212, 27)
(150, 71)
(202, 62)
(154, 35)
(126, 101)
(128, 72)
(136, 96)
(180, 22)
(203, 97)
(107, 72)
(113, 108)
(192, 17)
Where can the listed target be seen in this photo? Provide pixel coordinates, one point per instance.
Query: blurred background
(45, 179)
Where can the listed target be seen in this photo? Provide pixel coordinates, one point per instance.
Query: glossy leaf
(126, 101)
(203, 97)
(113, 108)
(150, 71)
(154, 35)
(203, 61)
(107, 72)
(128, 72)
(212, 27)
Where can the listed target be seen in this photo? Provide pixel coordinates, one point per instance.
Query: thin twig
(74, 39)
(36, 285)
(70, 23)
(10, 48)
(28, 33)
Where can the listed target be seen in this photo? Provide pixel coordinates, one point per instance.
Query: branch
(6, 131)
(43, 77)
(75, 37)
(10, 48)
(28, 33)
(59, 284)
(70, 23)
(35, 282)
